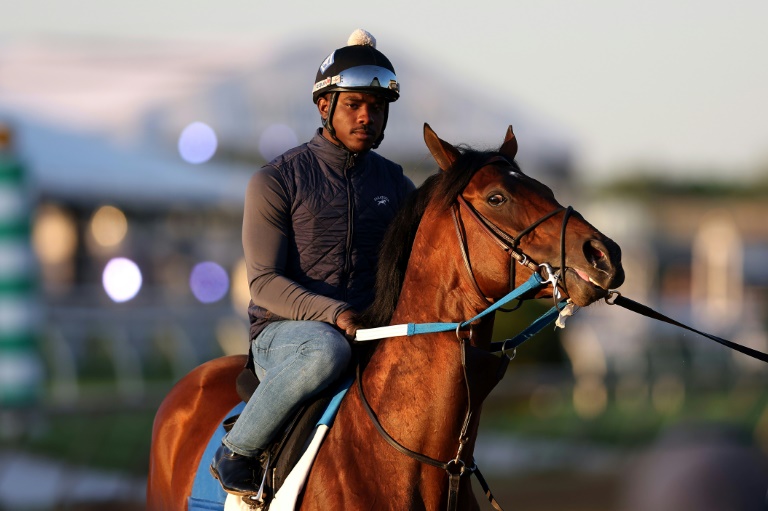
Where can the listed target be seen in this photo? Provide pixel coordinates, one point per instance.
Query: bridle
(510, 243)
(456, 467)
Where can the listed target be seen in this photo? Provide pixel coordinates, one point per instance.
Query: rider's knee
(329, 355)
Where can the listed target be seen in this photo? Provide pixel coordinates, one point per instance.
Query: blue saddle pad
(207, 494)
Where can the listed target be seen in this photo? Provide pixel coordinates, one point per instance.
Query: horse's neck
(417, 385)
(437, 285)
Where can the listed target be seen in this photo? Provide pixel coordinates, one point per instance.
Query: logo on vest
(381, 200)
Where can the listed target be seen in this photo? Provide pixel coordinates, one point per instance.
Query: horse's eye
(496, 200)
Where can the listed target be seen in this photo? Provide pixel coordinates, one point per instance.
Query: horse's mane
(442, 188)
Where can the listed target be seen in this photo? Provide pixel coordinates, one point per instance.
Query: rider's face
(358, 119)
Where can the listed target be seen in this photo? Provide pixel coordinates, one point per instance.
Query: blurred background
(128, 132)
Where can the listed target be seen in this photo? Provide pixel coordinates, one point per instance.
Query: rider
(313, 220)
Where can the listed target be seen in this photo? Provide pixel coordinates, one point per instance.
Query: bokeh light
(241, 294)
(275, 140)
(232, 335)
(590, 397)
(109, 226)
(121, 279)
(54, 235)
(209, 282)
(197, 143)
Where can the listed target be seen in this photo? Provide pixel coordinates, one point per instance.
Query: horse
(475, 228)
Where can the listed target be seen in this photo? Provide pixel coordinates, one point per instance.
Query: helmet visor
(362, 77)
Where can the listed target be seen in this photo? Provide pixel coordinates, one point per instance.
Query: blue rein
(534, 282)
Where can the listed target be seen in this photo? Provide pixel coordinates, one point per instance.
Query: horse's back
(185, 421)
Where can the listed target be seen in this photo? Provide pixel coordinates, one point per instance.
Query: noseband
(510, 243)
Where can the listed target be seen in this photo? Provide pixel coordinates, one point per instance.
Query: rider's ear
(322, 106)
(509, 147)
(444, 153)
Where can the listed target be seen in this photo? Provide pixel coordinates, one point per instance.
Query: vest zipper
(351, 159)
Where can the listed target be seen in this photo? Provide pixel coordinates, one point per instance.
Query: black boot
(236, 473)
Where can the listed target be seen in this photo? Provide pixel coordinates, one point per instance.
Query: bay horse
(453, 249)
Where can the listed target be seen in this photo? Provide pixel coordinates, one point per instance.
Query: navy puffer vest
(341, 205)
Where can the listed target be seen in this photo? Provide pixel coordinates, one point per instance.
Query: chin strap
(327, 123)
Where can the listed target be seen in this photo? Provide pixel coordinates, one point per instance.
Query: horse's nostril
(593, 251)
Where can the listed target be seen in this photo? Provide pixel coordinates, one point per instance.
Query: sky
(676, 85)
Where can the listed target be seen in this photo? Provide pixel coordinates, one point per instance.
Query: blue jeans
(294, 360)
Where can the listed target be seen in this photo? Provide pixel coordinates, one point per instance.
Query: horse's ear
(444, 153)
(509, 147)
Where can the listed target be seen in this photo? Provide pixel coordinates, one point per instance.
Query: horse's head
(504, 213)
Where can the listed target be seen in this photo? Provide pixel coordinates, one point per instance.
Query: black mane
(441, 188)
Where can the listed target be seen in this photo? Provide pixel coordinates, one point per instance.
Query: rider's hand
(347, 322)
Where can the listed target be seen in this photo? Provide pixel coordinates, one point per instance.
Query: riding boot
(237, 474)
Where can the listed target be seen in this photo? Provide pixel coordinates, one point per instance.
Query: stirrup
(257, 501)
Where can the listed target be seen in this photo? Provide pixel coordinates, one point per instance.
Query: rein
(615, 298)
(409, 329)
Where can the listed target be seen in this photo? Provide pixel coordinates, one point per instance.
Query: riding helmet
(359, 66)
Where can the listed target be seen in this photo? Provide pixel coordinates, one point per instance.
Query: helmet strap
(328, 121)
(332, 96)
